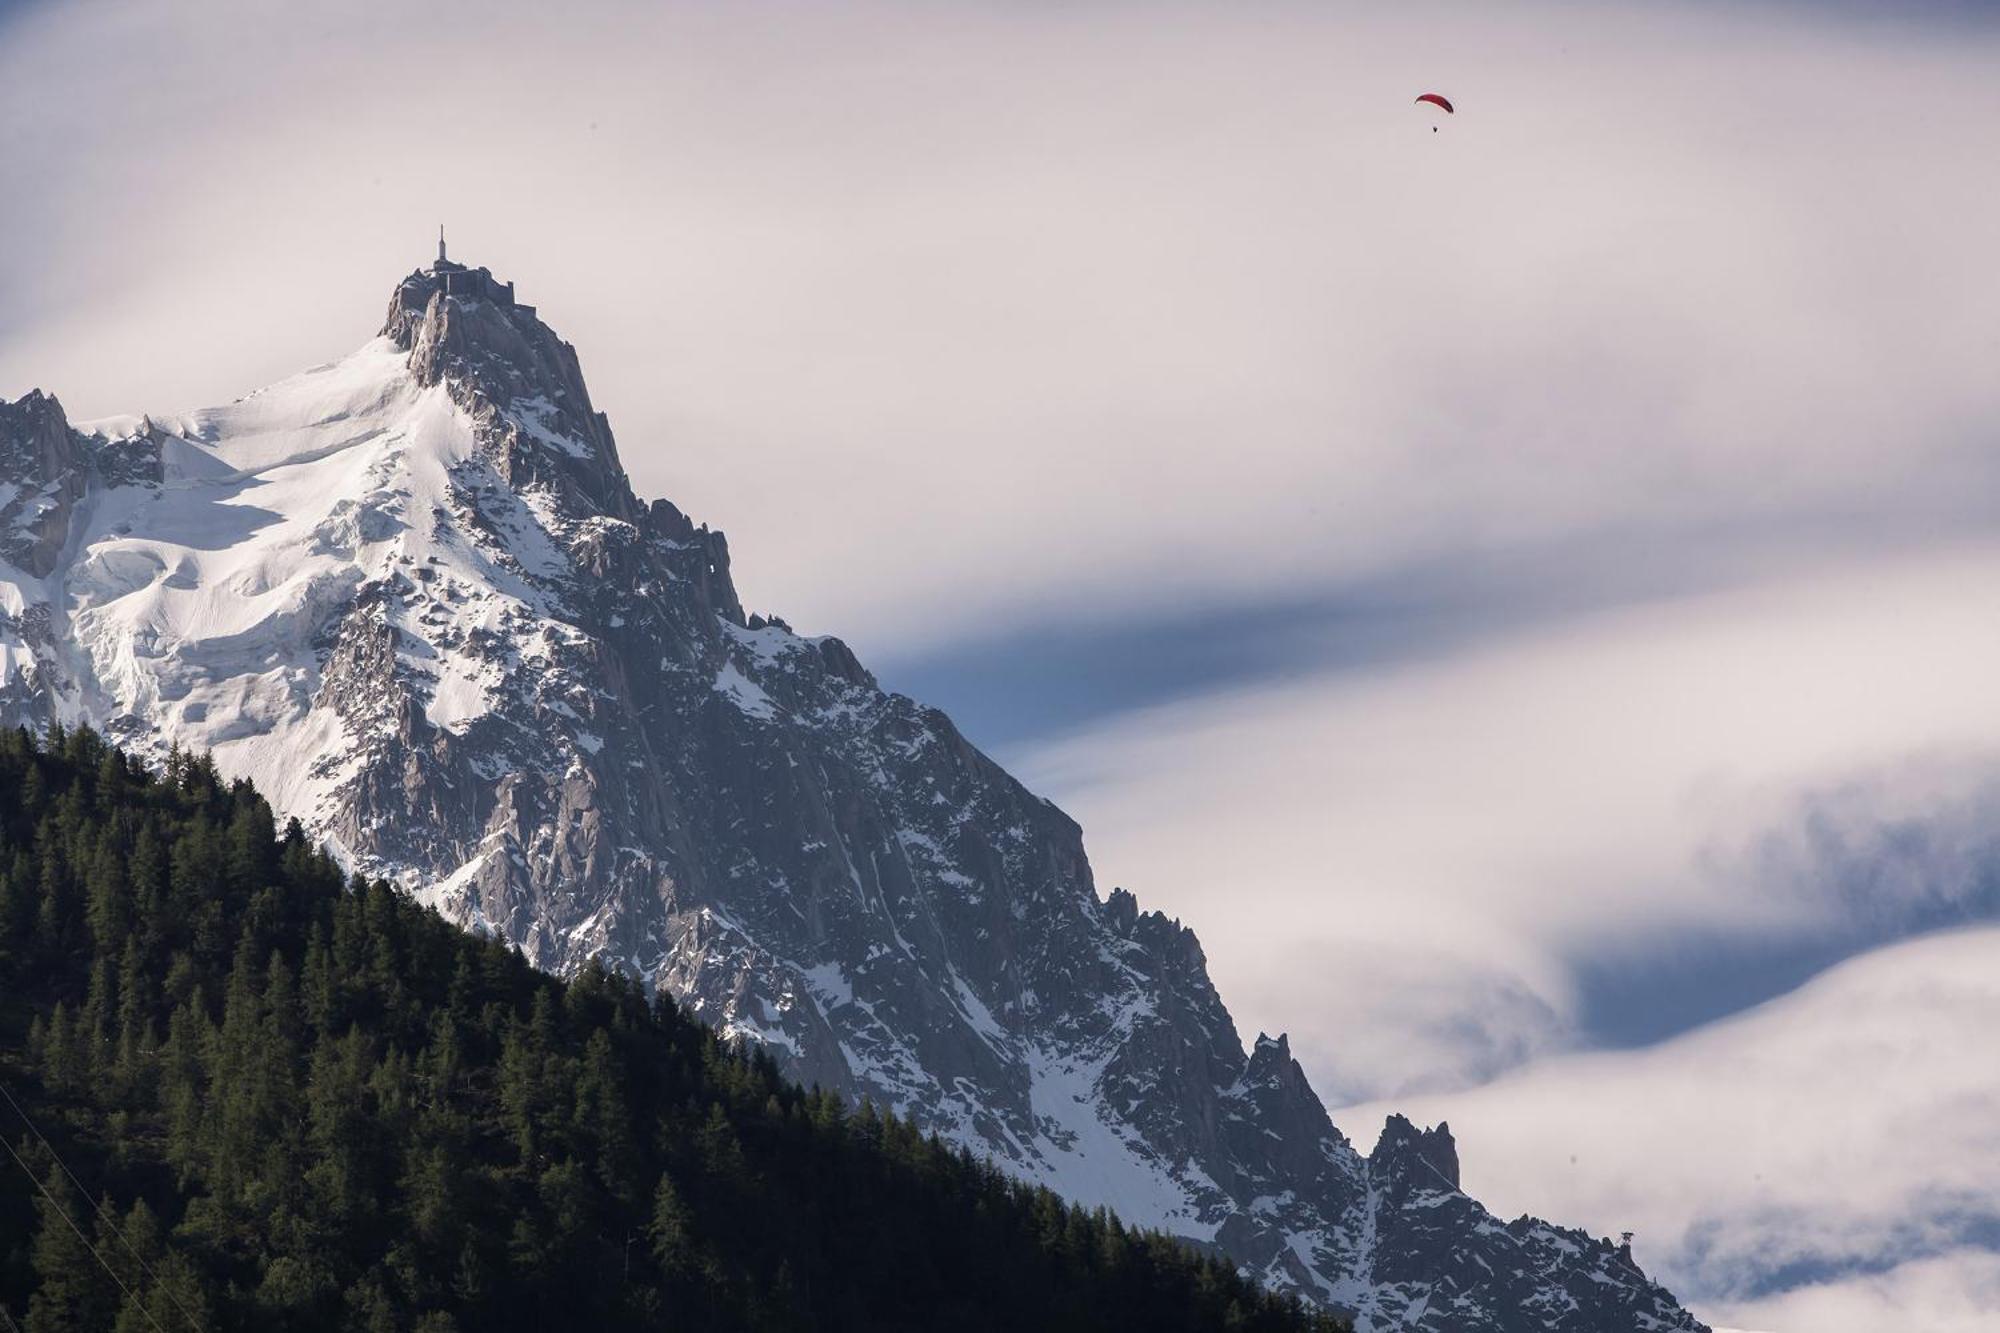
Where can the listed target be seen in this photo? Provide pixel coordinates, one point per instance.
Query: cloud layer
(1835, 1162)
(1560, 545)
(973, 314)
(1410, 868)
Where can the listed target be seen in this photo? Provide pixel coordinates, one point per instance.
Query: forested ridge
(243, 1093)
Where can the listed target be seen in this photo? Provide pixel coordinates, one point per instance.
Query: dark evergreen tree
(70, 1289)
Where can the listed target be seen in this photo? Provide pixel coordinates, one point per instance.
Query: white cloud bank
(1952, 1293)
(1848, 1132)
(1402, 867)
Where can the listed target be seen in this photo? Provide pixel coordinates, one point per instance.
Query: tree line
(244, 1092)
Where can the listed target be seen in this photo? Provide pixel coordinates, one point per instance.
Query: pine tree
(251, 857)
(603, 1118)
(146, 876)
(108, 907)
(62, 1063)
(318, 994)
(94, 1021)
(721, 1152)
(70, 1288)
(671, 1231)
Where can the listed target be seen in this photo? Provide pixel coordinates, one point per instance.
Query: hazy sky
(1526, 594)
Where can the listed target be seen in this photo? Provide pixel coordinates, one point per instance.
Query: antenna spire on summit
(441, 258)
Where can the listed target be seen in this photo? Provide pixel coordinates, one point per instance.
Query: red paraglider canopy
(1437, 99)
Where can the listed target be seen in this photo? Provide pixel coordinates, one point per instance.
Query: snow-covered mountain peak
(412, 595)
(515, 378)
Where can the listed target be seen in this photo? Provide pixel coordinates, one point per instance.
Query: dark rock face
(499, 678)
(1410, 1156)
(1434, 1240)
(43, 472)
(47, 470)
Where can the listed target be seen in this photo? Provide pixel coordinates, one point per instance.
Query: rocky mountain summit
(412, 595)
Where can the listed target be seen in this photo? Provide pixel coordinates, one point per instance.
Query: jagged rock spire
(44, 469)
(1429, 1156)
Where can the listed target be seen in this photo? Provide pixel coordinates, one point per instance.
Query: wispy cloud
(1416, 870)
(1825, 1164)
(1956, 1292)
(965, 316)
